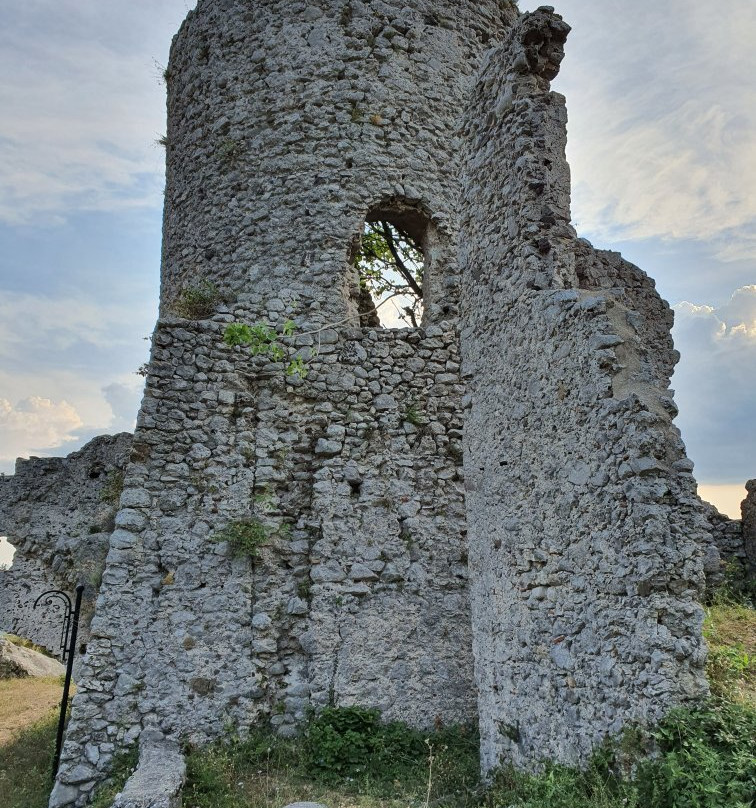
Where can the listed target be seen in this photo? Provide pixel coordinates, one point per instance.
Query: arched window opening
(389, 259)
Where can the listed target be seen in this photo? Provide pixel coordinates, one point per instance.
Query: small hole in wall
(389, 257)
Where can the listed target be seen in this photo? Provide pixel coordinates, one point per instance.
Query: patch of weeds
(304, 590)
(703, 759)
(353, 742)
(26, 763)
(113, 488)
(706, 758)
(198, 301)
(413, 415)
(229, 151)
(122, 767)
(730, 632)
(245, 537)
(738, 586)
(264, 340)
(163, 141)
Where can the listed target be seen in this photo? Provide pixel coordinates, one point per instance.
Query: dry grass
(28, 720)
(24, 702)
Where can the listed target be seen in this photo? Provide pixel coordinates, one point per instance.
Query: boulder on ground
(17, 661)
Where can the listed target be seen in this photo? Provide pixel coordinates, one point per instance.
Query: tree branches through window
(390, 266)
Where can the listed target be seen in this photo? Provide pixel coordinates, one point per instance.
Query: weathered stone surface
(288, 125)
(157, 781)
(748, 509)
(584, 592)
(305, 805)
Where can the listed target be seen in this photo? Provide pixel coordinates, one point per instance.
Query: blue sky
(662, 144)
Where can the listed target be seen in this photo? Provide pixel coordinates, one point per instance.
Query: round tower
(289, 123)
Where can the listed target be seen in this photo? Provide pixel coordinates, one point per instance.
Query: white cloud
(662, 132)
(124, 401)
(716, 386)
(78, 355)
(35, 422)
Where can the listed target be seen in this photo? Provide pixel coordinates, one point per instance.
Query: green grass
(25, 765)
(124, 764)
(348, 758)
(730, 632)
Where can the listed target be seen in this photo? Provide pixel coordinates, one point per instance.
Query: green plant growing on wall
(264, 340)
(412, 415)
(113, 488)
(229, 151)
(197, 301)
(245, 537)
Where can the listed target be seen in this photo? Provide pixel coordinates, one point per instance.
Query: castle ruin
(488, 517)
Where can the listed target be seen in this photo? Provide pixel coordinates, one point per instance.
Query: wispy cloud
(663, 121)
(716, 386)
(82, 105)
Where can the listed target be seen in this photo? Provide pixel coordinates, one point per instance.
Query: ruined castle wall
(58, 514)
(748, 511)
(724, 547)
(585, 532)
(289, 122)
(359, 593)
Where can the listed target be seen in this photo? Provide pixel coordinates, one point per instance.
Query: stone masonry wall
(58, 513)
(748, 511)
(724, 546)
(360, 591)
(585, 532)
(289, 120)
(288, 124)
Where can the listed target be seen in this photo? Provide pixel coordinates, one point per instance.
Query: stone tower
(289, 125)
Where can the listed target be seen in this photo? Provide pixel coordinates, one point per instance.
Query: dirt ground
(25, 701)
